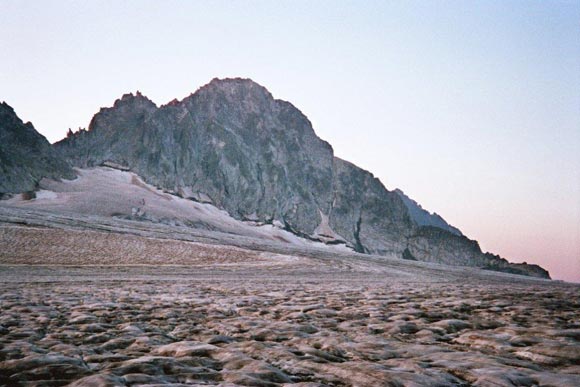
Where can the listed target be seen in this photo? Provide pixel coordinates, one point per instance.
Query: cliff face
(25, 155)
(373, 219)
(232, 144)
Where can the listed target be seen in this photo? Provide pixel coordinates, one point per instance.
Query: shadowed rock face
(372, 218)
(25, 155)
(233, 145)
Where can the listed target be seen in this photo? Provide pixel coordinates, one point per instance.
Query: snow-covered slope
(105, 191)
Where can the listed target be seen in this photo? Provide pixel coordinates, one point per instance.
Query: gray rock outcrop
(25, 155)
(230, 143)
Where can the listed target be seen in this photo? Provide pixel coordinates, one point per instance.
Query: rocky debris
(26, 156)
(180, 326)
(324, 233)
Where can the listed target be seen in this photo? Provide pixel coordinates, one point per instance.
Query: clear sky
(470, 107)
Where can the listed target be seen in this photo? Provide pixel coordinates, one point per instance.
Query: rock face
(25, 155)
(230, 143)
(369, 216)
(235, 146)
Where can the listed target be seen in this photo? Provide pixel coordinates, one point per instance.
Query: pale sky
(470, 107)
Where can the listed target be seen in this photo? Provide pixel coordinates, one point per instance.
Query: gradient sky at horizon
(472, 108)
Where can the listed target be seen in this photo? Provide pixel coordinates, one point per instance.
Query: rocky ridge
(423, 217)
(233, 145)
(25, 155)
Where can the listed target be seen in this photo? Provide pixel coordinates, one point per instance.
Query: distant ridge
(423, 217)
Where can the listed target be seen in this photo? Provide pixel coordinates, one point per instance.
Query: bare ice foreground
(96, 301)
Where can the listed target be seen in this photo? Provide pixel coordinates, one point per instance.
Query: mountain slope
(25, 155)
(232, 144)
(107, 192)
(423, 217)
(235, 146)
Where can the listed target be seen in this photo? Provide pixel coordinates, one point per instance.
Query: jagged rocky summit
(25, 155)
(233, 145)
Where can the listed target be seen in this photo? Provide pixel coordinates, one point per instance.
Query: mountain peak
(7, 110)
(9, 118)
(235, 87)
(5, 105)
(259, 158)
(25, 155)
(132, 99)
(236, 81)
